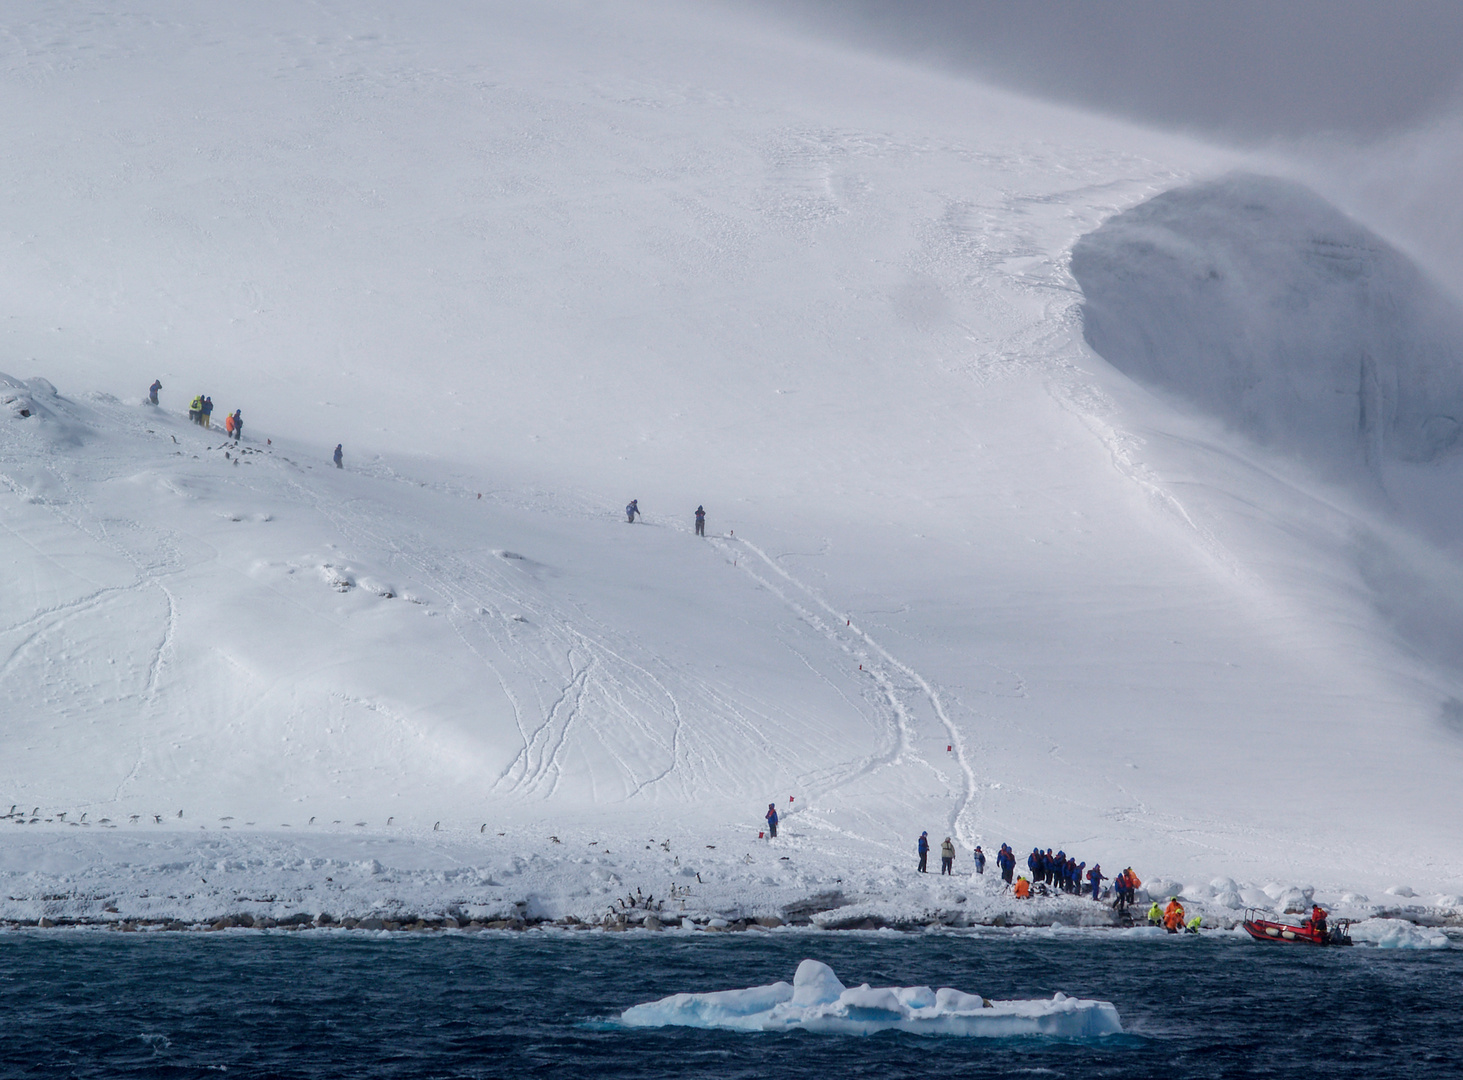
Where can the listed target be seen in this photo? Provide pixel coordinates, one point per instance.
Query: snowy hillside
(960, 574)
(1268, 308)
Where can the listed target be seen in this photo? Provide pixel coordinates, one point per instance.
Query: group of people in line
(1065, 874)
(200, 411)
(632, 510)
(1058, 871)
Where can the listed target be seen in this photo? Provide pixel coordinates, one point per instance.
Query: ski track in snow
(593, 689)
(590, 682)
(904, 742)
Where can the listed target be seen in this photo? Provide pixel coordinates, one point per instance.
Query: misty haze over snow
(1360, 98)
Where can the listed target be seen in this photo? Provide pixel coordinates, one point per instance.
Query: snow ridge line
(957, 740)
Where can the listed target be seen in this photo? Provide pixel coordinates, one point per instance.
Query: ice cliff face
(1262, 304)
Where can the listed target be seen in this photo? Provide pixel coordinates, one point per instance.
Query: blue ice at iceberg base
(817, 1001)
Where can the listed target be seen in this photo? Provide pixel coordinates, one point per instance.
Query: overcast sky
(1245, 69)
(1361, 99)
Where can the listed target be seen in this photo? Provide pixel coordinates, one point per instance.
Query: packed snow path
(856, 643)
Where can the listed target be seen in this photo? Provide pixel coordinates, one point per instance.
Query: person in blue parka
(923, 847)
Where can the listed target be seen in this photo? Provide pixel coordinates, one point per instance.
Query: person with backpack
(337, 457)
(153, 389)
(771, 821)
(631, 510)
(923, 847)
(1131, 885)
(195, 409)
(1094, 878)
(979, 860)
(700, 521)
(947, 857)
(238, 423)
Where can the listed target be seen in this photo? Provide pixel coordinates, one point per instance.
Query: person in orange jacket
(1120, 890)
(1023, 889)
(1173, 915)
(1127, 889)
(1318, 920)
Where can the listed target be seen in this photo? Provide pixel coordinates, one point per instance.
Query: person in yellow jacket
(1155, 915)
(1173, 915)
(1194, 924)
(947, 857)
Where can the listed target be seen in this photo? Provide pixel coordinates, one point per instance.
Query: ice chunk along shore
(817, 1001)
(1260, 303)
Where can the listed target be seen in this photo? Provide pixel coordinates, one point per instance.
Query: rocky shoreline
(806, 915)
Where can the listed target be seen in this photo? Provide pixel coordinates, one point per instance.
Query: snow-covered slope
(1262, 304)
(528, 263)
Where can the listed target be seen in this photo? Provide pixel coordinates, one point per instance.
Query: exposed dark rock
(800, 912)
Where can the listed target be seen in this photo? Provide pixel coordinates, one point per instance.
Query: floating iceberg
(817, 1001)
(1396, 934)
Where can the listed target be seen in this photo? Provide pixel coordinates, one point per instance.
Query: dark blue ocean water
(82, 1004)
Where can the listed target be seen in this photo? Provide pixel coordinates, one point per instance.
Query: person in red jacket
(1317, 920)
